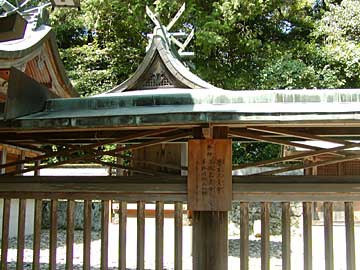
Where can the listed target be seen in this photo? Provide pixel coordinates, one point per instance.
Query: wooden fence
(142, 190)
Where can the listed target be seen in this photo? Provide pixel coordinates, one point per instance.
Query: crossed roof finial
(170, 37)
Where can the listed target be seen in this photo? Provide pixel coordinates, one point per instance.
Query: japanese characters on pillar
(210, 175)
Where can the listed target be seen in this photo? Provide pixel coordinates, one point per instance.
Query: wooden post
(210, 197)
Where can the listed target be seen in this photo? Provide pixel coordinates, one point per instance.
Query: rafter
(74, 149)
(294, 157)
(93, 154)
(310, 165)
(257, 137)
(298, 134)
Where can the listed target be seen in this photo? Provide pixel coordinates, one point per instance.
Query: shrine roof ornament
(161, 67)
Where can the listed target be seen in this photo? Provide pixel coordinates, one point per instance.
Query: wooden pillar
(210, 198)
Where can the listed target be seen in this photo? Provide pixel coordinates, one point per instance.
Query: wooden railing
(87, 227)
(163, 190)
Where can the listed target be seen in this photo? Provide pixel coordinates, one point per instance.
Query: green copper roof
(187, 107)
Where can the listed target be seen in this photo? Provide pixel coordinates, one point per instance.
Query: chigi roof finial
(171, 38)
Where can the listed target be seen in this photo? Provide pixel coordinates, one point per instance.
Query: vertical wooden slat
(70, 234)
(350, 236)
(286, 243)
(178, 223)
(21, 234)
(53, 234)
(307, 232)
(265, 236)
(122, 234)
(5, 233)
(37, 234)
(3, 155)
(104, 234)
(159, 246)
(37, 171)
(328, 233)
(87, 234)
(140, 235)
(244, 235)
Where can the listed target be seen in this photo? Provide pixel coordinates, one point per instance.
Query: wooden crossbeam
(310, 165)
(93, 154)
(111, 164)
(295, 157)
(174, 188)
(22, 147)
(257, 137)
(67, 152)
(298, 134)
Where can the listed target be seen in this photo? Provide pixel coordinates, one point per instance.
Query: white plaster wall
(14, 211)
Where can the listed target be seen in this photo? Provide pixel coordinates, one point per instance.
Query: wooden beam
(90, 156)
(292, 157)
(22, 147)
(310, 165)
(134, 188)
(75, 149)
(111, 164)
(298, 134)
(257, 137)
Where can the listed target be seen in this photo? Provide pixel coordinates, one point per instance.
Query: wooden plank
(21, 235)
(122, 234)
(210, 245)
(350, 236)
(53, 234)
(159, 245)
(209, 175)
(265, 236)
(307, 234)
(70, 234)
(328, 235)
(244, 236)
(140, 235)
(87, 234)
(286, 236)
(37, 234)
(5, 233)
(178, 223)
(105, 234)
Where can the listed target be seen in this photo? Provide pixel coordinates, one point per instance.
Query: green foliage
(238, 44)
(252, 152)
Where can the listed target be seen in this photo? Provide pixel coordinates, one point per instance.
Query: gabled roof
(37, 55)
(161, 68)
